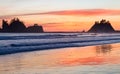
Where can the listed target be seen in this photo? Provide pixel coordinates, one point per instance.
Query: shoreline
(15, 51)
(89, 59)
(16, 43)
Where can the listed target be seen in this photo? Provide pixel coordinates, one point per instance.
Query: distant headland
(17, 26)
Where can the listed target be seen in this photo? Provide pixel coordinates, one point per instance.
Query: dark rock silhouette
(5, 26)
(0, 30)
(35, 28)
(17, 26)
(103, 26)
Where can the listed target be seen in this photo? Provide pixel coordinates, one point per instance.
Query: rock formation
(35, 28)
(0, 30)
(5, 26)
(17, 26)
(102, 27)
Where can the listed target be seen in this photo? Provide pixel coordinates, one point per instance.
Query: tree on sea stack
(5, 26)
(102, 27)
(16, 25)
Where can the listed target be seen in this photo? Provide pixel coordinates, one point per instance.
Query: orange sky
(69, 20)
(62, 15)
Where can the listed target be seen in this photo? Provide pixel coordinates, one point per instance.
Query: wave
(14, 44)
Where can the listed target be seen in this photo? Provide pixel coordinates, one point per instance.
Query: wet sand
(100, 59)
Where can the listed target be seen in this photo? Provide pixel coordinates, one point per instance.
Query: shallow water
(102, 59)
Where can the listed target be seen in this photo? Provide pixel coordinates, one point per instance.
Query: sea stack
(35, 29)
(17, 26)
(102, 27)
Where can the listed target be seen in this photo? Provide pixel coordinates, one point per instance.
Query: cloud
(82, 12)
(85, 12)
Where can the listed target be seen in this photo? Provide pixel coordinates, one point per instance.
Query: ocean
(22, 42)
(59, 53)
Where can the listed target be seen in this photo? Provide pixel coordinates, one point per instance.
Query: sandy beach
(100, 59)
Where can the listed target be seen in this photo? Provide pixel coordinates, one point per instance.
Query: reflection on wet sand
(103, 49)
(93, 55)
(76, 56)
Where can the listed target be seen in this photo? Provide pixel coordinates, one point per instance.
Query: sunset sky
(62, 15)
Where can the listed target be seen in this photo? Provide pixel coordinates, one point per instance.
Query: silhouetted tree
(0, 30)
(17, 26)
(102, 21)
(5, 26)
